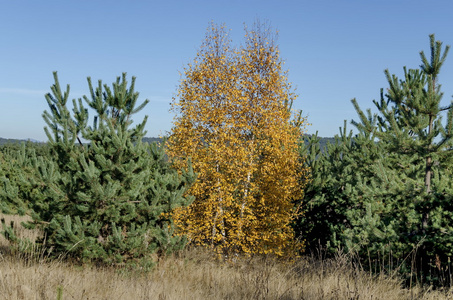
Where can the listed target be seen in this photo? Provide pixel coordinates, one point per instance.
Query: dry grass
(196, 274)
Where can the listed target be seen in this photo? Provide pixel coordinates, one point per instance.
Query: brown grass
(196, 274)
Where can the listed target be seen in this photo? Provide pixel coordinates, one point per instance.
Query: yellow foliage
(234, 120)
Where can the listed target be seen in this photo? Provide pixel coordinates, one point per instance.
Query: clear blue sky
(334, 50)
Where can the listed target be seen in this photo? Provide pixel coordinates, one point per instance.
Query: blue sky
(334, 51)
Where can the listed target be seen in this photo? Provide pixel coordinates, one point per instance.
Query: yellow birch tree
(234, 121)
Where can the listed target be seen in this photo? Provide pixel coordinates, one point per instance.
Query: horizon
(14, 140)
(334, 51)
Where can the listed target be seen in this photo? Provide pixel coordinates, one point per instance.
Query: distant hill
(15, 141)
(4, 141)
(149, 140)
(323, 141)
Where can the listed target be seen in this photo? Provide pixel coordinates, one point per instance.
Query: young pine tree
(105, 195)
(234, 122)
(385, 193)
(410, 114)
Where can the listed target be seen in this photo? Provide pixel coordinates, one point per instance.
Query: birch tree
(233, 120)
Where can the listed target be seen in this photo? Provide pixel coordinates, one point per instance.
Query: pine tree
(105, 196)
(386, 192)
(234, 122)
(410, 123)
(411, 111)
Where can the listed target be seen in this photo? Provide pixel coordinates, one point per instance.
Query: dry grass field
(196, 274)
